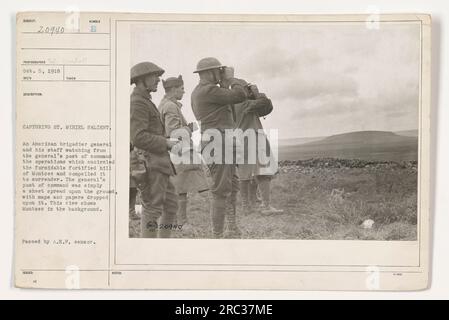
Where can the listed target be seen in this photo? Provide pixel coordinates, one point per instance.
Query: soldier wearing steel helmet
(212, 104)
(158, 197)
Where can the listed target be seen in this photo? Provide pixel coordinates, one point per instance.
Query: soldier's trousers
(132, 202)
(224, 189)
(159, 200)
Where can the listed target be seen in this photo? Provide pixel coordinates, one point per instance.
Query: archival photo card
(223, 151)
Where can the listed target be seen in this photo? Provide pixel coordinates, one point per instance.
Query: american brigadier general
(213, 106)
(148, 136)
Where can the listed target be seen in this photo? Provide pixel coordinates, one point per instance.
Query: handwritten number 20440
(51, 30)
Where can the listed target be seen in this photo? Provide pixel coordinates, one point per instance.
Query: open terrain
(328, 188)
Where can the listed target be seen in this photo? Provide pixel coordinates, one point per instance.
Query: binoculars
(227, 72)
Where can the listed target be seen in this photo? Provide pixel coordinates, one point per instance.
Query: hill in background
(408, 133)
(365, 145)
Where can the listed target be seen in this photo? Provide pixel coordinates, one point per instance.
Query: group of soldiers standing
(219, 102)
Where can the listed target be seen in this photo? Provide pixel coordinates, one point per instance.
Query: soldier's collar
(142, 92)
(139, 91)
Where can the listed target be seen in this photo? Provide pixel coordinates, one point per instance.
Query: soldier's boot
(266, 208)
(233, 229)
(132, 204)
(181, 215)
(166, 224)
(254, 199)
(231, 217)
(218, 216)
(133, 214)
(247, 208)
(148, 225)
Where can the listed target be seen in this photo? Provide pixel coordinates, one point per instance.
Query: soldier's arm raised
(140, 136)
(262, 106)
(225, 96)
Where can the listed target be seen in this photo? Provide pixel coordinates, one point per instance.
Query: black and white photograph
(298, 131)
(222, 151)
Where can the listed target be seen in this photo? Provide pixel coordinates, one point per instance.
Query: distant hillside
(296, 141)
(366, 145)
(361, 137)
(408, 133)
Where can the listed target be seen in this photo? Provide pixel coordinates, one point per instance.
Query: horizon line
(334, 134)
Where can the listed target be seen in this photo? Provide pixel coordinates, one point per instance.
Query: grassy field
(326, 199)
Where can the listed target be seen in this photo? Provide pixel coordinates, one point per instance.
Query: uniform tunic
(189, 177)
(213, 107)
(149, 139)
(248, 115)
(148, 133)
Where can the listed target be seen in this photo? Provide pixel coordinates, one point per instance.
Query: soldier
(213, 106)
(134, 216)
(132, 185)
(148, 137)
(190, 177)
(253, 175)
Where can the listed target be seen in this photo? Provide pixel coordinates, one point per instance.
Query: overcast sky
(323, 79)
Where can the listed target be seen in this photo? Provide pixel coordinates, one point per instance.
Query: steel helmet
(208, 63)
(143, 69)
